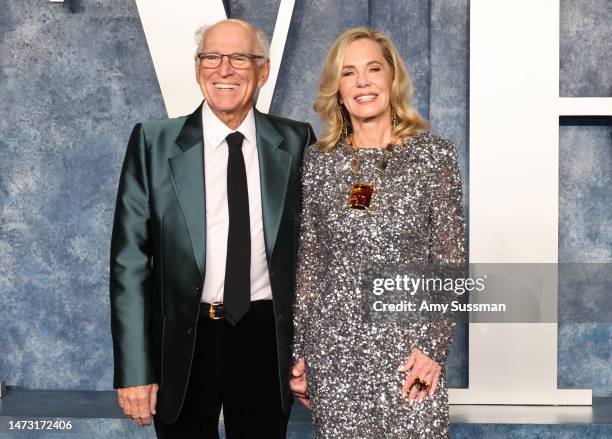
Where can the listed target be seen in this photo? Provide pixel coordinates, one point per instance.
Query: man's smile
(225, 86)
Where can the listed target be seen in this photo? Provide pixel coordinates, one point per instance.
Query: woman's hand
(298, 384)
(421, 369)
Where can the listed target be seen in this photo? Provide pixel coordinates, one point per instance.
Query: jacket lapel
(187, 169)
(274, 171)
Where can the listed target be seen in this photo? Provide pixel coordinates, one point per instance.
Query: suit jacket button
(189, 331)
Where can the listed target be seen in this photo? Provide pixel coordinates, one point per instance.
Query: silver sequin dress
(353, 381)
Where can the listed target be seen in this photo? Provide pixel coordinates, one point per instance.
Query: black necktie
(237, 290)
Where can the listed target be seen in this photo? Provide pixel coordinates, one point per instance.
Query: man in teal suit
(203, 254)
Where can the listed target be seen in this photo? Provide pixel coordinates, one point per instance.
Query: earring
(395, 120)
(345, 123)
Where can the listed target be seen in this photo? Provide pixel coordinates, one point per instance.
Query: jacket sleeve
(130, 269)
(446, 245)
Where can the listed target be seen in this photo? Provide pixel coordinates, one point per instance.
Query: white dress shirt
(217, 215)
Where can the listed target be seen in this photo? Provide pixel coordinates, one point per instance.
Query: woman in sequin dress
(366, 379)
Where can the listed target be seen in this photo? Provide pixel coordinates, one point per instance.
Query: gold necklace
(362, 194)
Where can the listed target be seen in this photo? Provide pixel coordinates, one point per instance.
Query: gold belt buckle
(212, 311)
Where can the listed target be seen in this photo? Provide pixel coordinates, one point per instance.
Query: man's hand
(298, 383)
(139, 402)
(423, 368)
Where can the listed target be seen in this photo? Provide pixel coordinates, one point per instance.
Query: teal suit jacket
(157, 262)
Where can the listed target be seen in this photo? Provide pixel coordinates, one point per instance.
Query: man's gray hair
(260, 37)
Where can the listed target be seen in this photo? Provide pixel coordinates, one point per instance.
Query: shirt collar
(215, 131)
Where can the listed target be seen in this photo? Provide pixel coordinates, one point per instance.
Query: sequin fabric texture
(352, 363)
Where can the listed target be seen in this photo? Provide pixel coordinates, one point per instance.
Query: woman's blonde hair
(328, 104)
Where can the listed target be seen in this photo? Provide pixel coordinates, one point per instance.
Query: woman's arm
(447, 256)
(307, 250)
(306, 279)
(446, 244)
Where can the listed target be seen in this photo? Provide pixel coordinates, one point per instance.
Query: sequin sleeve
(446, 242)
(306, 269)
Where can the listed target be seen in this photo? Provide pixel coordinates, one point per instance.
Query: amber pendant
(361, 196)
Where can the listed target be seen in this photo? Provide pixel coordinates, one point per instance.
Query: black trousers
(234, 367)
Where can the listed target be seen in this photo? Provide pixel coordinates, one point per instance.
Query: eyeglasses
(212, 60)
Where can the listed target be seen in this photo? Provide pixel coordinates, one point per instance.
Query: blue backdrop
(73, 83)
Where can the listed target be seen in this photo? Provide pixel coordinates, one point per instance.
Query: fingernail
(401, 368)
(411, 401)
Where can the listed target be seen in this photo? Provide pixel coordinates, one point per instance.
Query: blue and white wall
(74, 82)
